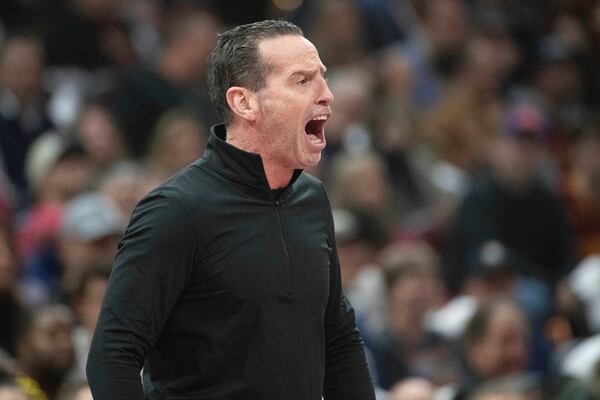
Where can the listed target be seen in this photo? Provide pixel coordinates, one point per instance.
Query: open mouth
(315, 129)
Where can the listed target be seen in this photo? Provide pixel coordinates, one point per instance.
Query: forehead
(288, 52)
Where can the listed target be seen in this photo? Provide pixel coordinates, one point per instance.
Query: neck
(278, 176)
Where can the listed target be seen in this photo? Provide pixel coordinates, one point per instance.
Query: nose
(325, 96)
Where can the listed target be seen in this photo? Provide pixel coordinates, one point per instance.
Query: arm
(346, 372)
(151, 269)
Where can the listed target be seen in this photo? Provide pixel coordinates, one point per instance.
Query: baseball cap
(90, 217)
(490, 259)
(45, 152)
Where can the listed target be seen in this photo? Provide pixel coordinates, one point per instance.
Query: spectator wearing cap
(492, 272)
(360, 237)
(510, 203)
(90, 228)
(57, 169)
(557, 86)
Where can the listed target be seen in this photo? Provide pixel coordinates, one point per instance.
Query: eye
(303, 81)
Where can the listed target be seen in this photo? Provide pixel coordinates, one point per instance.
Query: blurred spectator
(125, 184)
(45, 351)
(347, 129)
(458, 135)
(374, 192)
(387, 22)
(100, 136)
(57, 169)
(338, 33)
(89, 232)
(414, 288)
(557, 88)
(10, 306)
(87, 302)
(396, 79)
(360, 237)
(423, 207)
(492, 271)
(176, 80)
(178, 139)
(23, 107)
(509, 203)
(497, 346)
(434, 51)
(412, 389)
(86, 34)
(581, 191)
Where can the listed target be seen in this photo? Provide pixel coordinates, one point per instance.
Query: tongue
(312, 131)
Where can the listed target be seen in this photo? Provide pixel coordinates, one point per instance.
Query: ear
(242, 102)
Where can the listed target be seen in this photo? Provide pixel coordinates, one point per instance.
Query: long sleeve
(151, 268)
(346, 372)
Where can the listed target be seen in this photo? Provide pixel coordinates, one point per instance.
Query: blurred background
(463, 165)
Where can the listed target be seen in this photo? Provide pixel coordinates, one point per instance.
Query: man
(226, 284)
(45, 352)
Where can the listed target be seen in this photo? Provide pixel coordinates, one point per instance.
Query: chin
(311, 162)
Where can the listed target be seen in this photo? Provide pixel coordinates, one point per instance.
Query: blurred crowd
(463, 165)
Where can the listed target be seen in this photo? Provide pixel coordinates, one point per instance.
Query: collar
(238, 165)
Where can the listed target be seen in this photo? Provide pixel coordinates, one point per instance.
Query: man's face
(294, 104)
(504, 349)
(48, 348)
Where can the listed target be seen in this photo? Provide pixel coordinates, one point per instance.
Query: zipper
(288, 265)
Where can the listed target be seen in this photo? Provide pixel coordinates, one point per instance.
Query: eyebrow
(322, 70)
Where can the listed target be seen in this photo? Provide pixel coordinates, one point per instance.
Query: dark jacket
(226, 292)
(532, 223)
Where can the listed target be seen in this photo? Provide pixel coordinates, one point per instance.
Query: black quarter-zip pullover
(224, 289)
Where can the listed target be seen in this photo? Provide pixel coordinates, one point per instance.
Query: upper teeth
(320, 118)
